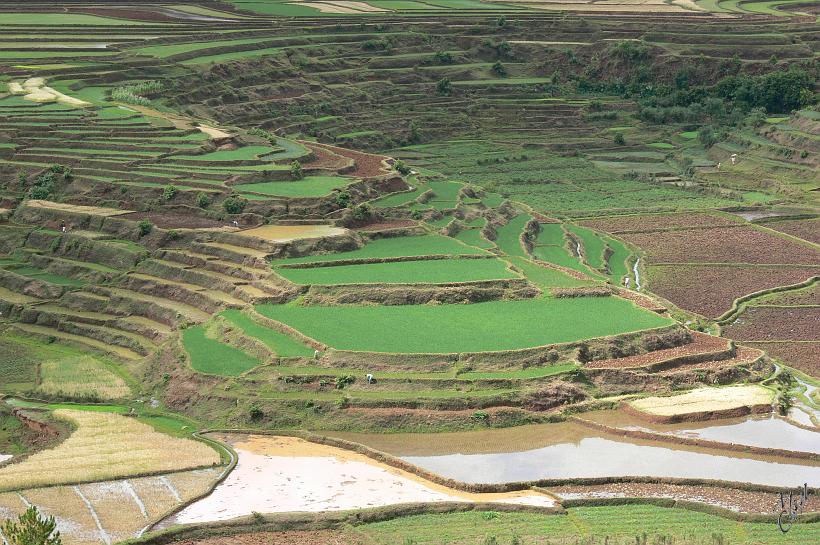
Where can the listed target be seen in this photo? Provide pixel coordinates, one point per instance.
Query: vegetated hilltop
(172, 143)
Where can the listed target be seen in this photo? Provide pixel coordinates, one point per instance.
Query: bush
(133, 94)
(443, 57)
(234, 204)
(480, 416)
(296, 171)
(499, 70)
(444, 87)
(362, 212)
(343, 199)
(31, 529)
(619, 139)
(706, 136)
(169, 192)
(145, 227)
(344, 380)
(255, 413)
(402, 167)
(203, 200)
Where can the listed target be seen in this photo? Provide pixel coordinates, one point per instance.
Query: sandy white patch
(35, 90)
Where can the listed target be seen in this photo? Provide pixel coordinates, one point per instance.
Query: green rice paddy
(281, 344)
(465, 328)
(310, 186)
(435, 271)
(385, 248)
(213, 357)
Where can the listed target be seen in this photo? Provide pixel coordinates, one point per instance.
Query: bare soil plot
(710, 290)
(77, 208)
(736, 500)
(805, 229)
(805, 296)
(804, 356)
(367, 164)
(657, 222)
(701, 344)
(776, 324)
(742, 244)
(173, 220)
(704, 403)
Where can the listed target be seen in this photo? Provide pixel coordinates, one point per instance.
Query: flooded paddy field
(287, 233)
(285, 474)
(570, 450)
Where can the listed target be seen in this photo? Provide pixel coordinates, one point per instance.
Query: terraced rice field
(464, 328)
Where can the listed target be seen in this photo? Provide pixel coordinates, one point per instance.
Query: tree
(145, 227)
(234, 204)
(203, 200)
(402, 167)
(31, 529)
(444, 87)
(706, 136)
(169, 192)
(296, 171)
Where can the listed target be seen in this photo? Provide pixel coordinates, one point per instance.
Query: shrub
(169, 192)
(133, 94)
(255, 413)
(402, 167)
(480, 416)
(296, 171)
(203, 200)
(444, 87)
(234, 204)
(619, 139)
(344, 380)
(706, 136)
(443, 57)
(145, 227)
(343, 199)
(31, 529)
(499, 69)
(362, 212)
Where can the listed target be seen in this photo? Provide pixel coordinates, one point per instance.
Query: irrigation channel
(280, 474)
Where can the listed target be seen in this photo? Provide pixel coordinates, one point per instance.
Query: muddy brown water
(766, 431)
(286, 233)
(569, 450)
(284, 474)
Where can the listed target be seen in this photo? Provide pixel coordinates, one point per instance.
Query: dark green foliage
(169, 192)
(444, 87)
(706, 136)
(343, 199)
(629, 50)
(499, 70)
(255, 413)
(443, 57)
(203, 200)
(619, 139)
(402, 167)
(234, 204)
(145, 227)
(296, 171)
(344, 380)
(31, 529)
(363, 212)
(45, 184)
(777, 92)
(376, 45)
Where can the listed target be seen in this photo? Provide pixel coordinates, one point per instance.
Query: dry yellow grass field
(705, 400)
(106, 446)
(81, 376)
(122, 507)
